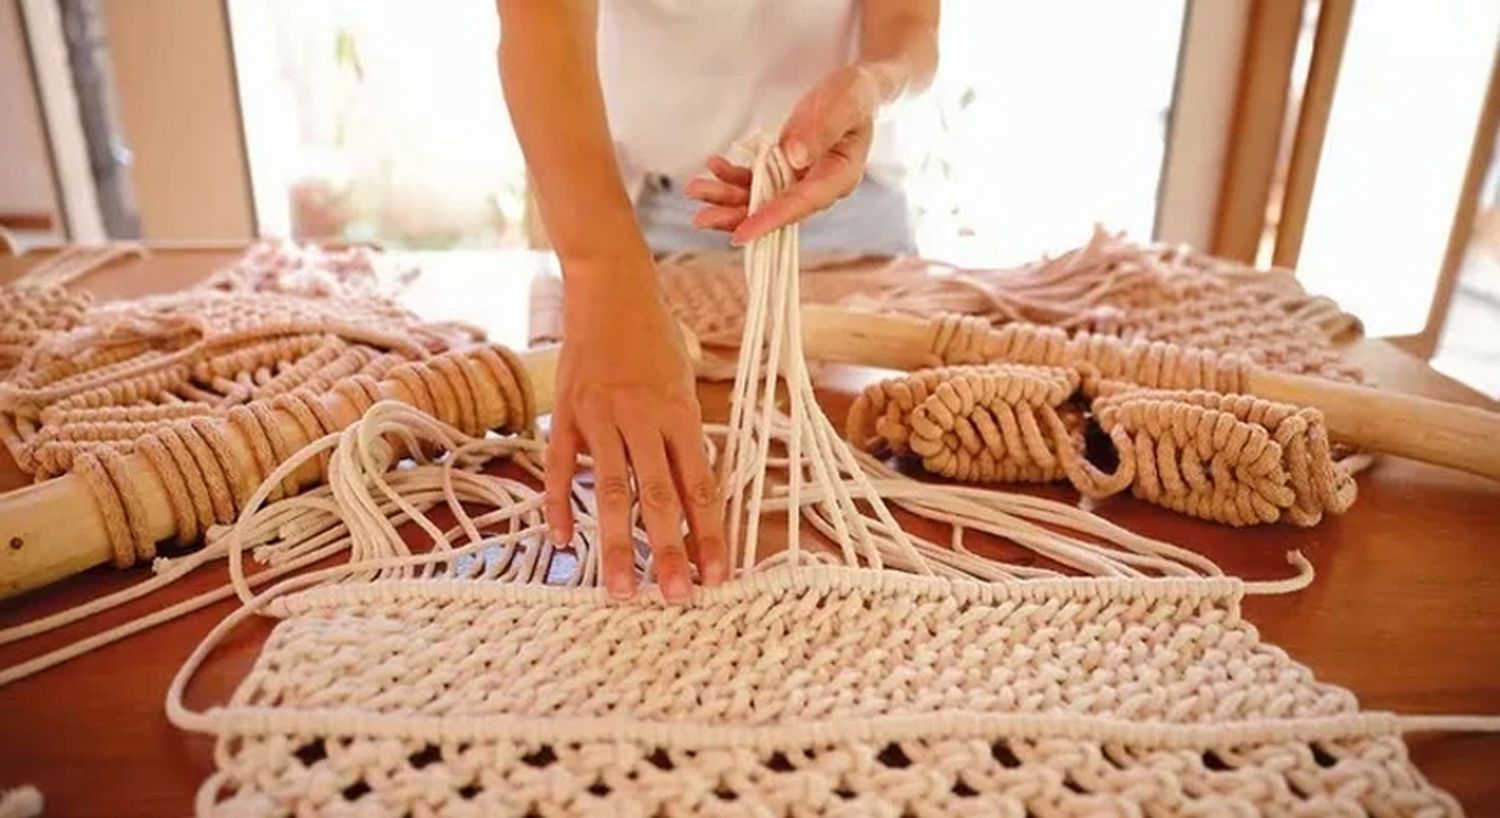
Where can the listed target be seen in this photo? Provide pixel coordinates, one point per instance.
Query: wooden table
(1405, 610)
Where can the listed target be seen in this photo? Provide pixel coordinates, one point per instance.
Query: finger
(612, 487)
(719, 218)
(729, 172)
(561, 464)
(660, 510)
(826, 183)
(716, 192)
(700, 498)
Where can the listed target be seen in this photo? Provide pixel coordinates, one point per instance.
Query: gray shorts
(872, 219)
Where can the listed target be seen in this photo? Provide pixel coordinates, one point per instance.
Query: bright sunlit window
(1044, 119)
(378, 121)
(384, 121)
(1409, 94)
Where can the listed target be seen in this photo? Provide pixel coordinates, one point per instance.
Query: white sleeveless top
(683, 79)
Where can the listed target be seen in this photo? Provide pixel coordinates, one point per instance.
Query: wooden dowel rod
(1460, 437)
(54, 529)
(1447, 434)
(844, 336)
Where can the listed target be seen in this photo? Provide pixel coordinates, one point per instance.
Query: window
(378, 121)
(385, 121)
(1399, 136)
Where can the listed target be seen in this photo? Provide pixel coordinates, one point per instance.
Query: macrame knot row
(959, 339)
(28, 314)
(208, 465)
(1235, 459)
(982, 424)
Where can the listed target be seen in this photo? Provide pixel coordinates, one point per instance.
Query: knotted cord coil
(1234, 459)
(194, 460)
(203, 383)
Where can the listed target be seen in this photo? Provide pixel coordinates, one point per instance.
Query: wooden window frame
(1259, 121)
(1481, 154)
(1202, 121)
(1334, 17)
(53, 77)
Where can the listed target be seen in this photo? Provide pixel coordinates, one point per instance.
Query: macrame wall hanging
(853, 667)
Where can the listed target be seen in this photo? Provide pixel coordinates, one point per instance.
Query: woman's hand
(625, 394)
(826, 139)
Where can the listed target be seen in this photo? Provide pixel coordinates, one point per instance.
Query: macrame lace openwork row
(853, 668)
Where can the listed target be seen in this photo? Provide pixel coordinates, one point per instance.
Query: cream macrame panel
(819, 692)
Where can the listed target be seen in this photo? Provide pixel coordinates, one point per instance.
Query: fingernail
(796, 153)
(556, 537)
(620, 587)
(677, 589)
(715, 572)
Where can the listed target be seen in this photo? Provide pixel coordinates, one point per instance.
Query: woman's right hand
(626, 395)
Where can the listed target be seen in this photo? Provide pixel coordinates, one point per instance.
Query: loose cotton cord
(73, 262)
(21, 802)
(773, 339)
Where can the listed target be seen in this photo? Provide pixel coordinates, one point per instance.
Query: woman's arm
(548, 69)
(625, 390)
(898, 44)
(827, 136)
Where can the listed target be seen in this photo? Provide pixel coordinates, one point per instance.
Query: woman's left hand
(826, 139)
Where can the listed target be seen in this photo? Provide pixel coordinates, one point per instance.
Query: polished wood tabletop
(1405, 610)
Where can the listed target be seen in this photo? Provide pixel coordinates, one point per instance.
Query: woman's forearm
(548, 69)
(898, 45)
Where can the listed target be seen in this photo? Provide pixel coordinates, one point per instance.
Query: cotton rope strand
(21, 802)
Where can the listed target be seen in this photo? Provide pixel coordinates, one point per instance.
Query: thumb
(818, 122)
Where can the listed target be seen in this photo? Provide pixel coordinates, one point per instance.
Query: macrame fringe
(1109, 286)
